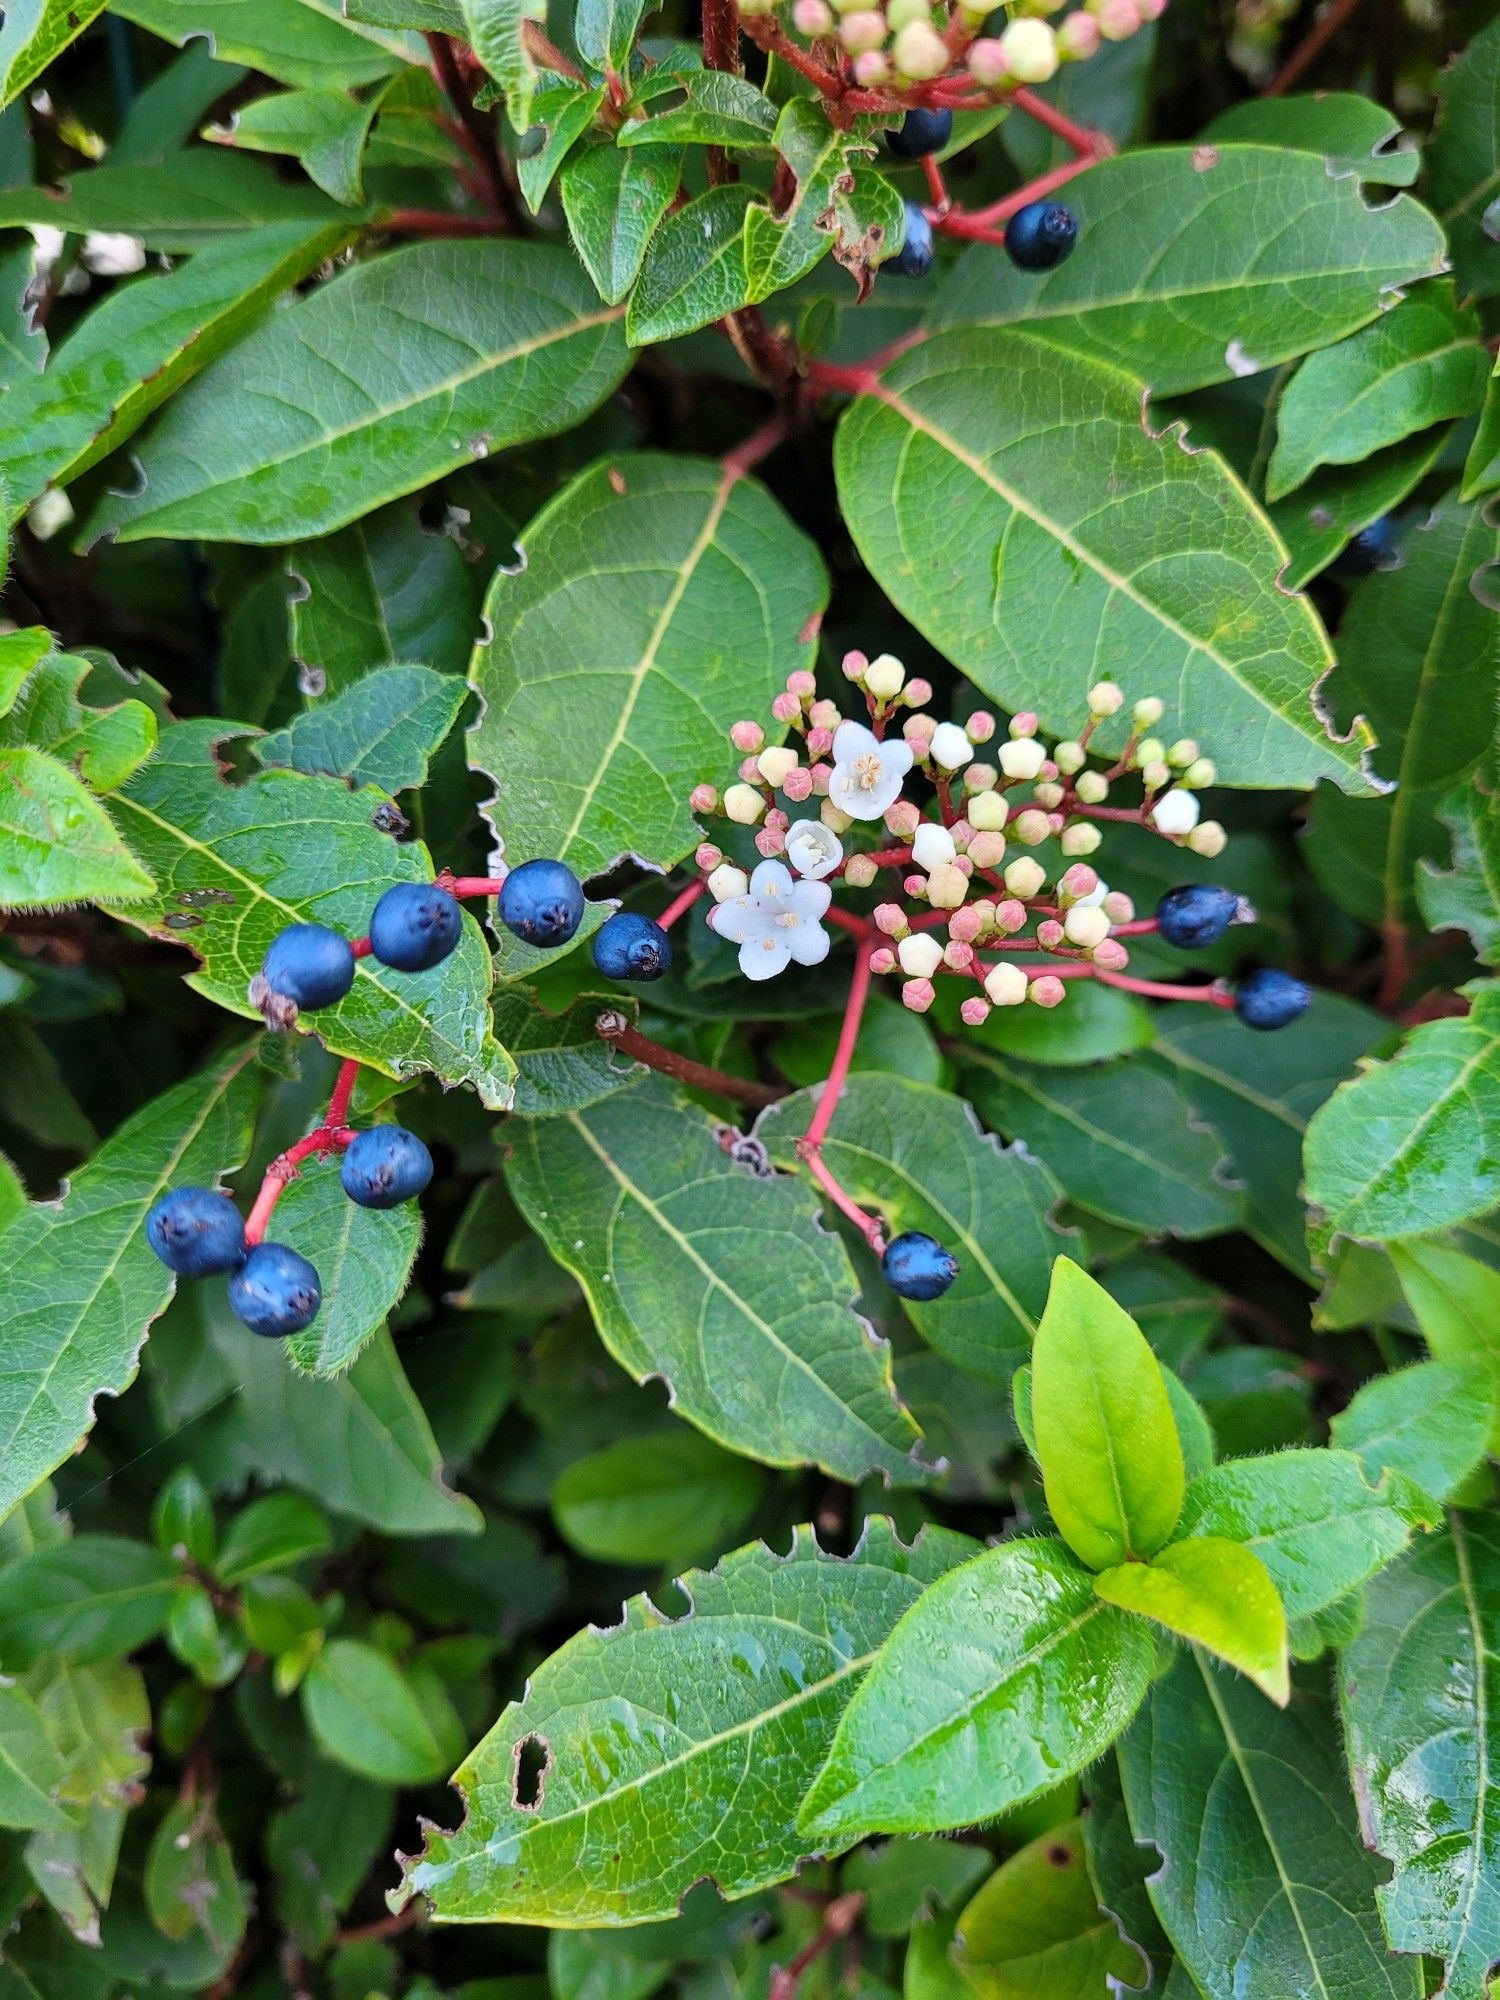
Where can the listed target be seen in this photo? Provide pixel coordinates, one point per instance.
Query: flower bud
(1086, 926)
(919, 51)
(1080, 838)
(981, 778)
(825, 715)
(919, 731)
(1092, 787)
(798, 785)
(1078, 37)
(748, 736)
(835, 820)
(932, 844)
(1025, 877)
(707, 857)
(1118, 19)
(812, 17)
(1175, 813)
(1200, 774)
(744, 805)
(951, 748)
(1182, 753)
(1105, 698)
(1069, 757)
(901, 14)
(819, 742)
(980, 727)
(947, 886)
(918, 994)
(903, 819)
(1031, 827)
(1209, 840)
(821, 773)
(1005, 984)
(727, 881)
(915, 887)
(802, 684)
(775, 763)
(1148, 712)
(882, 961)
(786, 708)
(1150, 750)
(1022, 758)
(1030, 51)
(871, 66)
(987, 850)
(750, 770)
(885, 677)
(1049, 796)
(770, 842)
(986, 61)
(974, 1013)
(918, 693)
(986, 812)
(854, 665)
(920, 954)
(1079, 884)
(1111, 955)
(1049, 934)
(964, 926)
(957, 956)
(1118, 907)
(1154, 776)
(704, 799)
(890, 919)
(1048, 991)
(860, 871)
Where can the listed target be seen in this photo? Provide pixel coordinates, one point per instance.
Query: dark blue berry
(920, 133)
(307, 966)
(1373, 547)
(1270, 998)
(384, 1167)
(1197, 914)
(914, 258)
(542, 902)
(196, 1232)
(917, 1266)
(630, 946)
(415, 926)
(1040, 235)
(275, 1292)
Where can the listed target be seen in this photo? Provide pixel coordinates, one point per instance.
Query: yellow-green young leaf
(57, 842)
(366, 1714)
(102, 746)
(649, 1754)
(1456, 1300)
(975, 466)
(33, 33)
(99, 1720)
(302, 42)
(31, 1771)
(1035, 1930)
(1218, 1595)
(1105, 1436)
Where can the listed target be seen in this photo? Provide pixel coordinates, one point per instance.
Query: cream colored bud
(987, 850)
(1105, 698)
(980, 778)
(1148, 712)
(1200, 774)
(1150, 750)
(1005, 984)
(1049, 796)
(744, 805)
(1080, 838)
(947, 886)
(885, 677)
(1025, 877)
(1092, 787)
(950, 746)
(776, 764)
(835, 820)
(1209, 839)
(1022, 757)
(1085, 926)
(727, 881)
(920, 954)
(1031, 827)
(1069, 757)
(920, 52)
(1030, 50)
(986, 812)
(1182, 753)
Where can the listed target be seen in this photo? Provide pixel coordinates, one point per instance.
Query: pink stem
(868, 1225)
(1157, 989)
(1096, 145)
(843, 1055)
(680, 904)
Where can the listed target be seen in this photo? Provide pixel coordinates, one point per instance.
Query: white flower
(727, 881)
(113, 254)
(1022, 758)
(1176, 813)
(867, 773)
(950, 747)
(813, 849)
(49, 246)
(920, 954)
(932, 845)
(777, 922)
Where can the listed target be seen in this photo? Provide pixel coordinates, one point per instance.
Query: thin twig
(615, 1029)
(1310, 47)
(839, 1920)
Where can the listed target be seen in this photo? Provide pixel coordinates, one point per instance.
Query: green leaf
(80, 1281)
(1463, 161)
(660, 600)
(1035, 1929)
(1467, 895)
(190, 1884)
(308, 43)
(20, 653)
(1313, 1518)
(247, 860)
(562, 1061)
(1482, 466)
(684, 1744)
(1119, 1870)
(663, 1499)
(365, 1713)
(917, 1155)
(614, 197)
(1098, 1022)
(1414, 1144)
(57, 843)
(837, 203)
(363, 1256)
(1429, 1423)
(99, 1720)
(324, 129)
(23, 344)
(465, 348)
(202, 1638)
(902, 1880)
(1004, 1678)
(1121, 1138)
(323, 1849)
(189, 201)
(605, 31)
(694, 268)
(31, 1771)
(1420, 1708)
(718, 109)
(1219, 1595)
(1205, 263)
(90, 1598)
(1212, 1770)
(384, 730)
(983, 453)
(1320, 520)
(1416, 652)
(272, 1533)
(1105, 1435)
(1456, 1300)
(34, 34)
(101, 745)
(1354, 134)
(715, 1280)
(560, 116)
(496, 28)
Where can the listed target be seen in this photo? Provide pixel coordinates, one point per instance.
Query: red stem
(1310, 46)
(1139, 927)
(680, 903)
(868, 1225)
(614, 1028)
(981, 224)
(1083, 140)
(843, 1055)
(1157, 989)
(472, 132)
(440, 222)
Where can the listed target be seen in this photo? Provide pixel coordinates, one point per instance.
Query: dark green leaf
(1354, 134)
(31, 1771)
(1318, 522)
(188, 201)
(614, 197)
(381, 731)
(1463, 161)
(694, 269)
(718, 110)
(560, 117)
(497, 30)
(90, 1598)
(299, 42)
(324, 129)
(605, 31)
(271, 1533)
(190, 1883)
(662, 1499)
(1482, 466)
(1466, 896)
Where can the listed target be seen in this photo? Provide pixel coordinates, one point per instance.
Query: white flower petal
(771, 878)
(851, 740)
(763, 958)
(742, 918)
(809, 900)
(813, 849)
(809, 944)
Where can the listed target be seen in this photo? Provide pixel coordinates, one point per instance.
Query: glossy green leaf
(1105, 1435)
(92, 1597)
(662, 1499)
(986, 449)
(1414, 1144)
(308, 43)
(365, 1713)
(189, 201)
(560, 115)
(660, 600)
(384, 730)
(605, 31)
(837, 203)
(1217, 1594)
(1463, 161)
(1119, 1869)
(1004, 1678)
(1313, 1518)
(497, 30)
(1463, 893)
(1207, 263)
(324, 129)
(1121, 1138)
(562, 1061)
(639, 1725)
(1482, 466)
(81, 1283)
(1354, 134)
(614, 197)
(363, 1256)
(1322, 517)
(246, 860)
(33, 35)
(57, 842)
(1421, 1713)
(718, 109)
(694, 268)
(1430, 1423)
(1211, 1769)
(916, 1155)
(465, 348)
(1456, 1300)
(715, 1280)
(1035, 1929)
(31, 1771)
(272, 1533)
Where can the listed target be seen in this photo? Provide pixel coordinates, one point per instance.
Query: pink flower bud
(825, 715)
(1026, 723)
(750, 770)
(860, 871)
(916, 887)
(974, 1013)
(1111, 955)
(863, 32)
(1047, 991)
(918, 994)
(1118, 907)
(770, 841)
(980, 726)
(959, 956)
(798, 785)
(987, 850)
(1078, 36)
(961, 833)
(1079, 880)
(872, 67)
(819, 742)
(1056, 822)
(786, 708)
(1031, 827)
(919, 731)
(964, 863)
(704, 799)
(707, 857)
(1049, 934)
(748, 736)
(917, 693)
(890, 919)
(1010, 916)
(1048, 773)
(802, 684)
(882, 960)
(903, 819)
(812, 17)
(821, 773)
(965, 925)
(987, 62)
(854, 666)
(777, 820)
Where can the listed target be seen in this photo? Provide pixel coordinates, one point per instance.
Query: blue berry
(196, 1232)
(1270, 998)
(275, 1292)
(630, 946)
(1040, 235)
(920, 133)
(415, 926)
(917, 1266)
(1197, 914)
(385, 1166)
(1373, 547)
(307, 966)
(542, 902)
(914, 258)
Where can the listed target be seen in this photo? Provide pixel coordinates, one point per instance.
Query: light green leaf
(694, 268)
(57, 843)
(1198, 264)
(718, 109)
(605, 31)
(1212, 1769)
(639, 1726)
(99, 1720)
(497, 30)
(246, 860)
(31, 1771)
(274, 1532)
(190, 1884)
(384, 730)
(23, 344)
(662, 1499)
(1219, 1595)
(188, 201)
(1313, 1518)
(308, 43)
(93, 1597)
(614, 197)
(1105, 1435)
(1456, 1300)
(33, 34)
(975, 469)
(325, 129)
(20, 652)
(1466, 895)
(102, 746)
(1006, 1676)
(1429, 1423)
(1482, 466)
(1419, 1692)
(1414, 1144)
(364, 1713)
(1035, 1929)
(1463, 162)
(1354, 134)
(363, 1256)
(717, 1281)
(917, 1155)
(81, 1283)
(660, 600)
(465, 348)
